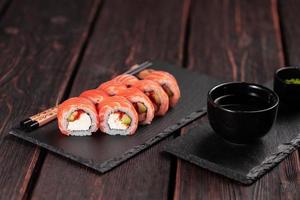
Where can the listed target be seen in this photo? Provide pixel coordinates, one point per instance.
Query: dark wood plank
(140, 30)
(40, 42)
(229, 41)
(236, 40)
(289, 13)
(4, 5)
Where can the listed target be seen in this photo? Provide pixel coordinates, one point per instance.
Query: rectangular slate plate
(103, 152)
(243, 163)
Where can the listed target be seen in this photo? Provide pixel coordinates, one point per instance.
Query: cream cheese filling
(114, 122)
(83, 123)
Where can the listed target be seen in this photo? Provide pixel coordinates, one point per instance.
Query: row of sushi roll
(117, 106)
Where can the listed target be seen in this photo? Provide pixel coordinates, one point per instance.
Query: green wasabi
(292, 81)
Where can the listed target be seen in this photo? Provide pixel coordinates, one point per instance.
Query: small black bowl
(289, 94)
(241, 112)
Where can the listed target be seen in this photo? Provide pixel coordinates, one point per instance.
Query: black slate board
(103, 152)
(243, 163)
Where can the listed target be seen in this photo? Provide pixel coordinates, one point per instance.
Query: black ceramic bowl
(289, 94)
(241, 112)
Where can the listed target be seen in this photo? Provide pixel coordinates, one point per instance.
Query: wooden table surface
(51, 50)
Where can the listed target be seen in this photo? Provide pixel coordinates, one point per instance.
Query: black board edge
(110, 164)
(273, 160)
(55, 150)
(228, 173)
(285, 149)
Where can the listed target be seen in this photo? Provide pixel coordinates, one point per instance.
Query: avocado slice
(126, 120)
(72, 116)
(141, 107)
(155, 98)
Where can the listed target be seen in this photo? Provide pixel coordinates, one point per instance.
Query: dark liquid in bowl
(242, 102)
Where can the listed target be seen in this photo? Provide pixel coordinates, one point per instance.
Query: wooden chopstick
(49, 115)
(138, 67)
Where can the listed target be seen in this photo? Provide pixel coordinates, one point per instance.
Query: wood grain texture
(40, 42)
(230, 41)
(140, 30)
(289, 15)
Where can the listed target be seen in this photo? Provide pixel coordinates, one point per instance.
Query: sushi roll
(166, 81)
(78, 117)
(141, 103)
(156, 94)
(96, 96)
(110, 87)
(117, 116)
(126, 79)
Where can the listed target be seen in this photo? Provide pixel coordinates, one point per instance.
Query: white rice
(114, 122)
(82, 123)
(80, 128)
(107, 127)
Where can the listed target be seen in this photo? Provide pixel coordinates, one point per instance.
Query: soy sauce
(242, 102)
